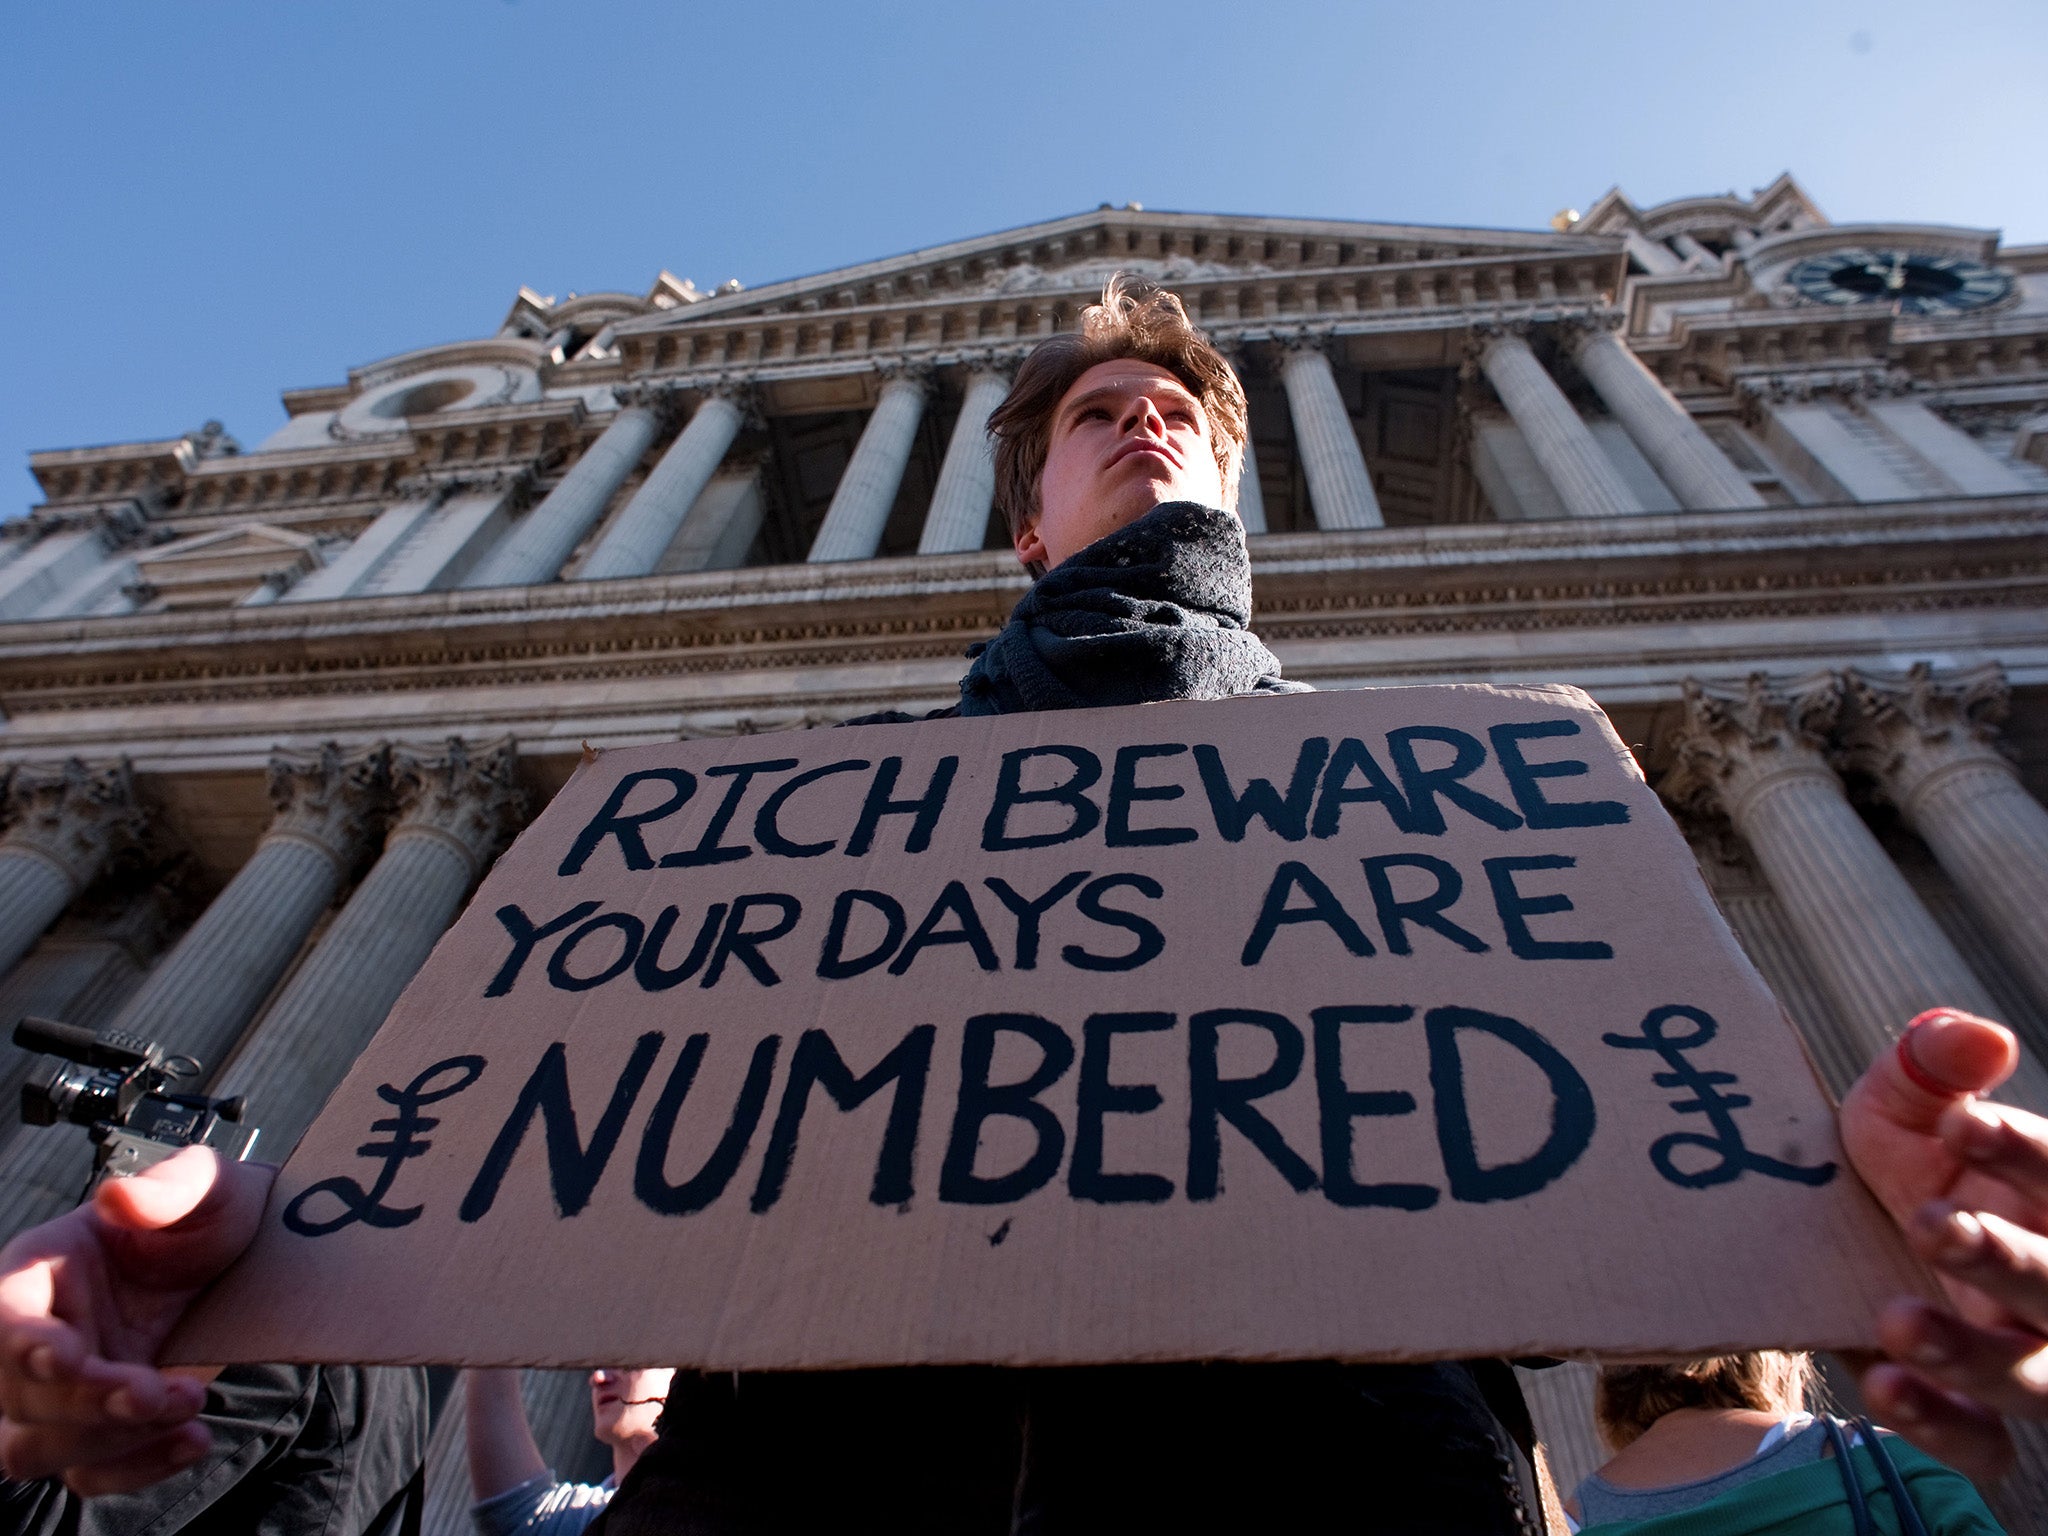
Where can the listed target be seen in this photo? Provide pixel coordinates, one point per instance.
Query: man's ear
(1029, 546)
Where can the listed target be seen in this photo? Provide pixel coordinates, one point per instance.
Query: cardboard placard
(1370, 1025)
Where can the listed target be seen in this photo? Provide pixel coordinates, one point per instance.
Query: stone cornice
(1360, 298)
(1378, 584)
(1106, 231)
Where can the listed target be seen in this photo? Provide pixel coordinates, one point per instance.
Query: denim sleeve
(503, 1514)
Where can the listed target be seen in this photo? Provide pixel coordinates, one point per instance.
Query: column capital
(1305, 339)
(1491, 330)
(663, 398)
(467, 796)
(916, 372)
(739, 391)
(1585, 325)
(1873, 381)
(1740, 737)
(118, 523)
(998, 362)
(1915, 727)
(73, 815)
(1485, 334)
(439, 485)
(327, 798)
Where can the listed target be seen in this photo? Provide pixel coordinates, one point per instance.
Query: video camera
(118, 1087)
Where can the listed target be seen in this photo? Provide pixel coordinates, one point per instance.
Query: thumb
(1945, 1055)
(164, 1193)
(178, 1224)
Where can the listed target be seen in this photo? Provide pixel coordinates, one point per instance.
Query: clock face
(1908, 283)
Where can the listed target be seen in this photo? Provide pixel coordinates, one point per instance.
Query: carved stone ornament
(664, 398)
(73, 815)
(1870, 382)
(1001, 362)
(1910, 727)
(1488, 332)
(905, 370)
(212, 441)
(439, 485)
(1305, 339)
(118, 523)
(739, 391)
(1738, 736)
(329, 797)
(1582, 326)
(468, 796)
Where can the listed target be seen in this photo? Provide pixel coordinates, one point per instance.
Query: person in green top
(1725, 1447)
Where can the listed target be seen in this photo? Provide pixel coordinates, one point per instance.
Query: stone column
(1251, 496)
(1954, 455)
(538, 545)
(375, 546)
(1698, 473)
(1339, 485)
(1585, 478)
(1812, 424)
(1755, 753)
(853, 524)
(201, 996)
(1931, 745)
(958, 519)
(64, 820)
(454, 810)
(635, 542)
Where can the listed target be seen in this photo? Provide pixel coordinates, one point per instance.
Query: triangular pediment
(1076, 254)
(240, 542)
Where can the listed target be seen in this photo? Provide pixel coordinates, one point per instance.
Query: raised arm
(1967, 1181)
(502, 1454)
(86, 1302)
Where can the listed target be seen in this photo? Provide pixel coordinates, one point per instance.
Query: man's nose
(1142, 415)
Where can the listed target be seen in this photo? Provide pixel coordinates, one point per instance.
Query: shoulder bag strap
(1852, 1485)
(1910, 1523)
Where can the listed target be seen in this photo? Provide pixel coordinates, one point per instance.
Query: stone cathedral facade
(1775, 490)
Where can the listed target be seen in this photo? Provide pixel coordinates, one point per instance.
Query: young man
(515, 1490)
(1116, 455)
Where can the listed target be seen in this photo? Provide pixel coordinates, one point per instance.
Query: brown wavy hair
(1630, 1398)
(1134, 319)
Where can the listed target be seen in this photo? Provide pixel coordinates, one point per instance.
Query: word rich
(1214, 1107)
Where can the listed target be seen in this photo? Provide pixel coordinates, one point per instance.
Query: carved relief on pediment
(224, 567)
(1089, 275)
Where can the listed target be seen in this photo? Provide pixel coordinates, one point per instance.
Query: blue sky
(206, 203)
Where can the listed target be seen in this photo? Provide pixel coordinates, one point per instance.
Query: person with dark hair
(1727, 1445)
(1117, 458)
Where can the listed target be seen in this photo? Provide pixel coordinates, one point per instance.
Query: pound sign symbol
(407, 1130)
(1732, 1157)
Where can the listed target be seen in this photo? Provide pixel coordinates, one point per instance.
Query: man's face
(625, 1403)
(1127, 437)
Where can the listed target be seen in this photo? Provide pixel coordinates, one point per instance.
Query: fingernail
(42, 1363)
(1933, 1350)
(1932, 1016)
(121, 1405)
(1983, 1132)
(1962, 1236)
